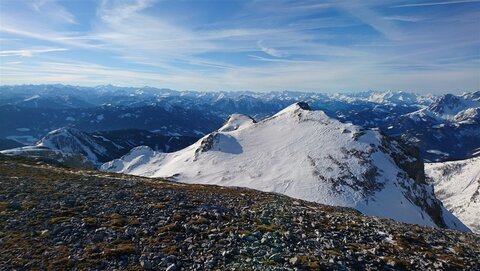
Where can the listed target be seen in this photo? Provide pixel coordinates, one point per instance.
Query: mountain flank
(304, 154)
(457, 185)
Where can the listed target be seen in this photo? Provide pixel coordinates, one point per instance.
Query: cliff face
(457, 185)
(62, 218)
(407, 157)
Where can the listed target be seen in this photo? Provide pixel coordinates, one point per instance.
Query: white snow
(23, 150)
(237, 122)
(449, 108)
(438, 126)
(32, 98)
(437, 152)
(457, 185)
(300, 153)
(200, 133)
(69, 140)
(23, 129)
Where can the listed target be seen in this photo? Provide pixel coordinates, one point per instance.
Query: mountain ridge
(304, 154)
(111, 107)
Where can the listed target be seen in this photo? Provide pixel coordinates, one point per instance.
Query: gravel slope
(59, 218)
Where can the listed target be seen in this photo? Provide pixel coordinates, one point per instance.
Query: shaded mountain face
(9, 144)
(98, 147)
(303, 154)
(28, 124)
(457, 185)
(449, 105)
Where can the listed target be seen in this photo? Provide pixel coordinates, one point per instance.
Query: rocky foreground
(60, 218)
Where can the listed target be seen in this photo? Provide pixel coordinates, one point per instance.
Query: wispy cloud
(436, 3)
(259, 45)
(269, 51)
(115, 11)
(53, 10)
(30, 52)
(12, 63)
(403, 18)
(373, 19)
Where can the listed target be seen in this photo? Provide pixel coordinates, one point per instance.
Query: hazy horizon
(414, 46)
(319, 91)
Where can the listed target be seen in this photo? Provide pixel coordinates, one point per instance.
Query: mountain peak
(237, 122)
(294, 108)
(64, 132)
(303, 105)
(304, 154)
(65, 129)
(72, 140)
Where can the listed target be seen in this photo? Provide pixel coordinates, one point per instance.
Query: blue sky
(423, 46)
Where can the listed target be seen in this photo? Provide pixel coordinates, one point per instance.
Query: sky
(422, 46)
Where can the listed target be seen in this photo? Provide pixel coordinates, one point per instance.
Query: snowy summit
(303, 154)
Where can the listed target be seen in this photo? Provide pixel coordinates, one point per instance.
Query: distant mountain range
(445, 127)
(304, 154)
(86, 127)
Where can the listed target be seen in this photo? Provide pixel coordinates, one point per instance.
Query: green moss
(120, 249)
(198, 221)
(159, 206)
(332, 252)
(3, 205)
(60, 219)
(90, 221)
(170, 250)
(169, 227)
(117, 220)
(267, 228)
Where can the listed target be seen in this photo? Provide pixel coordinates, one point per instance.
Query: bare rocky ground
(59, 218)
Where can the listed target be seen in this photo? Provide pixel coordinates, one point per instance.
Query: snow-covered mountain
(450, 107)
(386, 97)
(97, 147)
(304, 154)
(64, 145)
(447, 129)
(457, 185)
(70, 140)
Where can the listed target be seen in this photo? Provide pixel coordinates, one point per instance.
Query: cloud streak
(30, 52)
(242, 45)
(436, 3)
